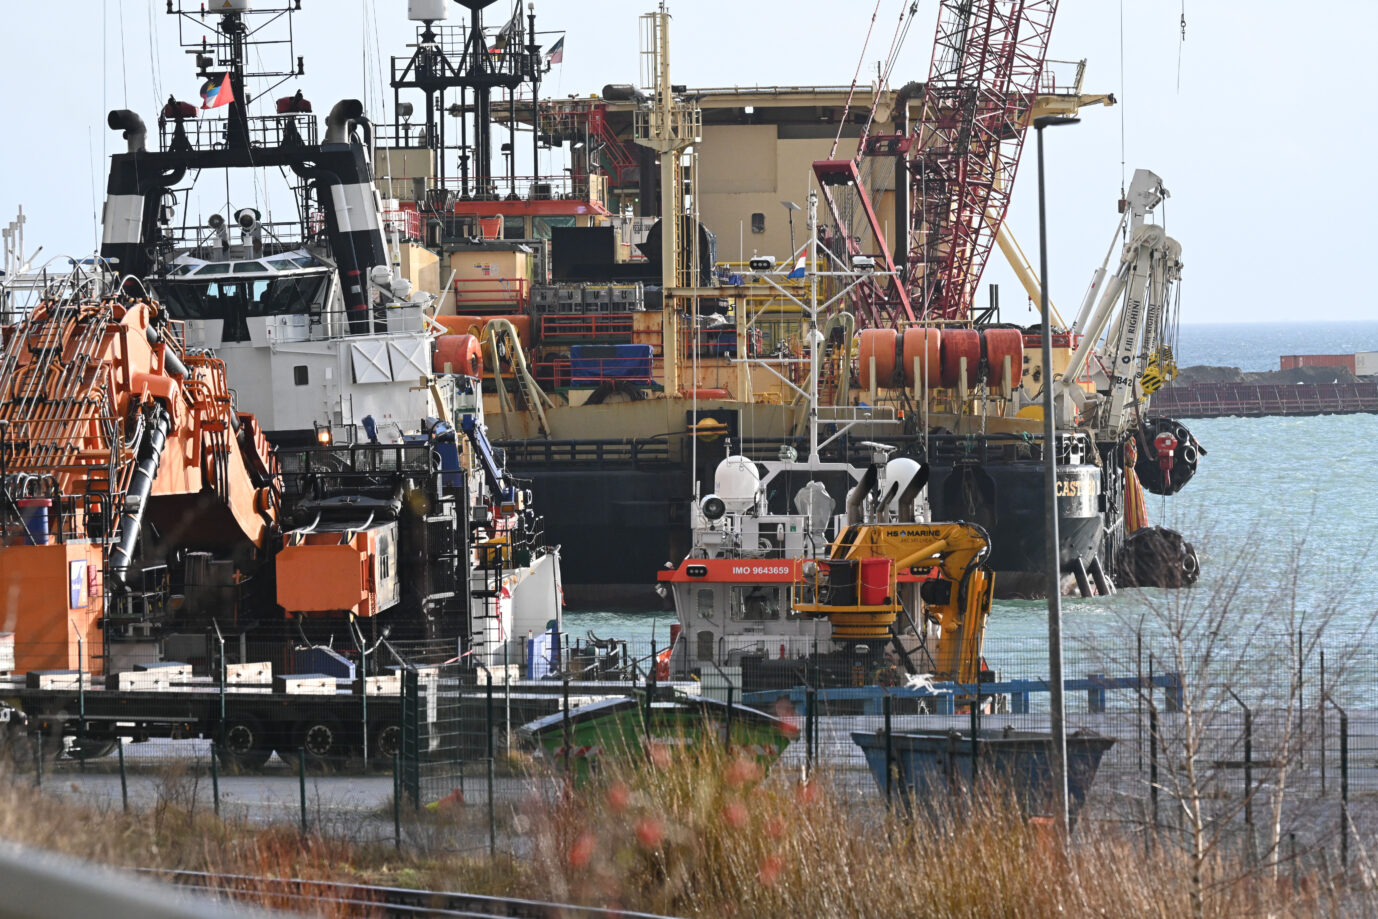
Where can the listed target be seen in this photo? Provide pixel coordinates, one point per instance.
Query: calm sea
(1284, 513)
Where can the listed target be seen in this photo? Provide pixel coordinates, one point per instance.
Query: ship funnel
(346, 113)
(133, 127)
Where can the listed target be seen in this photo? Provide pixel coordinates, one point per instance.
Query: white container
(428, 10)
(260, 672)
(135, 681)
(6, 652)
(1365, 365)
(59, 679)
(307, 684)
(383, 685)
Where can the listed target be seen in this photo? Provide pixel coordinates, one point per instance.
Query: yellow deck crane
(875, 573)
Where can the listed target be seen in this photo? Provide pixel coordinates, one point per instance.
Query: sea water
(1283, 512)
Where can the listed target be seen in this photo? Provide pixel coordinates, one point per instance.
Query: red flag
(213, 96)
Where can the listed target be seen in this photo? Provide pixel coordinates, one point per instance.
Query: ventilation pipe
(135, 132)
(140, 487)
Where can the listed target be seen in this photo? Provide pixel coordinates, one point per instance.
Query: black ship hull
(620, 520)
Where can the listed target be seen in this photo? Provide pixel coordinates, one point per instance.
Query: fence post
(1153, 761)
(810, 728)
(729, 717)
(363, 699)
(397, 799)
(81, 701)
(215, 777)
(889, 754)
(568, 727)
(1344, 780)
(1321, 716)
(38, 759)
(1248, 773)
(124, 781)
(488, 720)
(301, 772)
(975, 732)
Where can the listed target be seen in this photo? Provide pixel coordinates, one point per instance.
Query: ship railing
(502, 294)
(334, 465)
(637, 451)
(448, 192)
(1061, 78)
(588, 373)
(265, 131)
(279, 237)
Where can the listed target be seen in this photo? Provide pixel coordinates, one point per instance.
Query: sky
(1262, 135)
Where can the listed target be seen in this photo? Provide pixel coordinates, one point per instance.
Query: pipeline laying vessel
(625, 354)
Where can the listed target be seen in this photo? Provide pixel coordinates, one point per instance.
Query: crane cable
(847, 107)
(891, 59)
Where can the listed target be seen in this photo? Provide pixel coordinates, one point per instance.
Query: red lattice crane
(956, 164)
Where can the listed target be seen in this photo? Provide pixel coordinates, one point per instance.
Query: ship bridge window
(236, 301)
(250, 268)
(215, 268)
(755, 604)
(705, 603)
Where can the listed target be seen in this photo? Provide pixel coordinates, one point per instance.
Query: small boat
(620, 727)
(932, 765)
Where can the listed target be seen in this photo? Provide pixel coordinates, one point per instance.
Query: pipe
(171, 362)
(1083, 582)
(911, 494)
(856, 498)
(901, 118)
(342, 117)
(140, 486)
(135, 131)
(624, 92)
(1103, 585)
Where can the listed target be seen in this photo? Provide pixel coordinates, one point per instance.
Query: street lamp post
(1057, 701)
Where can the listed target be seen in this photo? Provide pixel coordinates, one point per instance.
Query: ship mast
(668, 126)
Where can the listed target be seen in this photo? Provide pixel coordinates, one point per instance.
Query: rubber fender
(999, 343)
(880, 344)
(926, 345)
(958, 344)
(461, 352)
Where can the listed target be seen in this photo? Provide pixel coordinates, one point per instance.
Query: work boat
(773, 596)
(324, 340)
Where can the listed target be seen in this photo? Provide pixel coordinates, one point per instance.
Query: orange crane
(118, 452)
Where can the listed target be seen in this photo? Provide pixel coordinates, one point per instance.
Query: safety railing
(500, 294)
(264, 131)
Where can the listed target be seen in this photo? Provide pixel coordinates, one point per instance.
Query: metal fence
(1282, 764)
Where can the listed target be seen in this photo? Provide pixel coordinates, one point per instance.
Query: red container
(875, 581)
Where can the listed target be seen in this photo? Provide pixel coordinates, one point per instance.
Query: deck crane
(1131, 313)
(955, 164)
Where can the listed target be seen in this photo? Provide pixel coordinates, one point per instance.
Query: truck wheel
(321, 739)
(384, 743)
(244, 744)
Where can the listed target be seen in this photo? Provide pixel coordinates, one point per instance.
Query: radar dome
(428, 10)
(737, 481)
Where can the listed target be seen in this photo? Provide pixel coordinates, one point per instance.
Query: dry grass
(702, 833)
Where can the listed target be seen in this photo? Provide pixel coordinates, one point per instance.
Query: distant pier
(1250, 400)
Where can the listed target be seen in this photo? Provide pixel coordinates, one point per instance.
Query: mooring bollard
(124, 781)
(301, 771)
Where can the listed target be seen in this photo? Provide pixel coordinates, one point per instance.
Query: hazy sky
(1263, 135)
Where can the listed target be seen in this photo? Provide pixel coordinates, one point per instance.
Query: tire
(321, 739)
(244, 744)
(384, 742)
